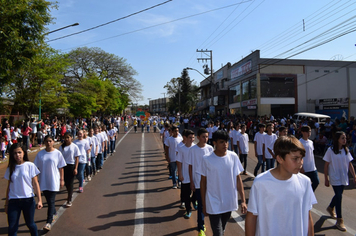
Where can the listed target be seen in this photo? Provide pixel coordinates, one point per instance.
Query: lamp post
(50, 32)
(164, 97)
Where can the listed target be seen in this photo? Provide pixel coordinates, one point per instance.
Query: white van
(297, 117)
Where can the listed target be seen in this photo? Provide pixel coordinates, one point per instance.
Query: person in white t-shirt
(194, 161)
(268, 138)
(258, 140)
(171, 153)
(101, 144)
(22, 182)
(309, 168)
(210, 131)
(235, 135)
(164, 134)
(282, 131)
(84, 150)
(220, 183)
(112, 135)
(94, 150)
(281, 198)
(183, 172)
(50, 162)
(337, 165)
(243, 147)
(70, 152)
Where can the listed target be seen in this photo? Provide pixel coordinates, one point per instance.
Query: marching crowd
(281, 198)
(207, 173)
(80, 158)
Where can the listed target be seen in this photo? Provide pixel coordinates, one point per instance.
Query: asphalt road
(132, 195)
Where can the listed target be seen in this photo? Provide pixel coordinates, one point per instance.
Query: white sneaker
(89, 178)
(174, 186)
(69, 204)
(48, 227)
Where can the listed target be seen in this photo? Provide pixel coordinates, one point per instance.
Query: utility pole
(164, 97)
(206, 56)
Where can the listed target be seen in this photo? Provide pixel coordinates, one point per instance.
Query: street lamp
(50, 32)
(188, 68)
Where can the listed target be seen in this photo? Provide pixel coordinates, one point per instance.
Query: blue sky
(160, 53)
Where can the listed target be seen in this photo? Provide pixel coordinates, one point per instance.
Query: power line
(110, 22)
(164, 23)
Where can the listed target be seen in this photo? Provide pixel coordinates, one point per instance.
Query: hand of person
(243, 208)
(192, 186)
(75, 171)
(204, 211)
(256, 155)
(5, 209)
(327, 184)
(181, 178)
(39, 205)
(62, 183)
(264, 158)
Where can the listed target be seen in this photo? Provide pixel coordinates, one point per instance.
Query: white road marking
(140, 196)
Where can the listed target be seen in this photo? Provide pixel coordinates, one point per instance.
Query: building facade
(263, 86)
(158, 106)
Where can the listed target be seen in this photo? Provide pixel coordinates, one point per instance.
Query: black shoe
(255, 173)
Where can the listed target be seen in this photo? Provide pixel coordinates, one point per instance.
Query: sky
(160, 42)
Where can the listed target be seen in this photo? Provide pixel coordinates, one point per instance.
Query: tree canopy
(182, 92)
(22, 32)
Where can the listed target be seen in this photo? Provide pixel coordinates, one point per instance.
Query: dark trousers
(69, 179)
(99, 160)
(93, 164)
(270, 163)
(112, 145)
(200, 210)
(337, 200)
(27, 206)
(185, 196)
(50, 199)
(218, 223)
(243, 159)
(259, 164)
(313, 176)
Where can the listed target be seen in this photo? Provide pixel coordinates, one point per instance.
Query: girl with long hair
(50, 162)
(337, 164)
(71, 154)
(22, 181)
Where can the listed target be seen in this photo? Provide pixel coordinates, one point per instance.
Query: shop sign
(249, 102)
(251, 107)
(241, 70)
(333, 103)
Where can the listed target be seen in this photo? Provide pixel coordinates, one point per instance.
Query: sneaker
(83, 181)
(89, 178)
(182, 205)
(47, 227)
(98, 171)
(244, 173)
(201, 233)
(195, 205)
(114, 150)
(80, 189)
(179, 185)
(69, 204)
(187, 215)
(174, 187)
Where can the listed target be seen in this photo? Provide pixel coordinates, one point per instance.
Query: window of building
(245, 90)
(235, 92)
(277, 86)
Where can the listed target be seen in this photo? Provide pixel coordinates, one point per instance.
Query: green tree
(104, 66)
(22, 32)
(183, 93)
(39, 79)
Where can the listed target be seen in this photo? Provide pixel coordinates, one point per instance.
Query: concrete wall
(281, 69)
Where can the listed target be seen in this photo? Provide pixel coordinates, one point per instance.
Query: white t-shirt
(195, 159)
(104, 134)
(235, 134)
(94, 143)
(259, 139)
(172, 144)
(33, 126)
(243, 142)
(182, 156)
(70, 153)
(14, 135)
(282, 206)
(21, 180)
(210, 131)
(49, 164)
(338, 167)
(308, 160)
(100, 138)
(186, 121)
(221, 187)
(267, 140)
(83, 146)
(111, 134)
